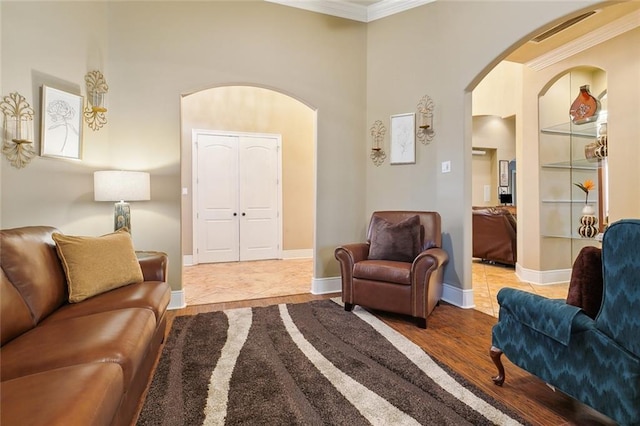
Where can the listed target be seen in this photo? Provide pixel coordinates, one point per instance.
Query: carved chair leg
(495, 357)
(348, 307)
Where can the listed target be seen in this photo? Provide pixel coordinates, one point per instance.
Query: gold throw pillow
(95, 265)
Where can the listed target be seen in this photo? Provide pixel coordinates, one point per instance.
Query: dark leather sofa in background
(494, 235)
(85, 363)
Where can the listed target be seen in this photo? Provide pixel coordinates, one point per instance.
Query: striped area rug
(305, 364)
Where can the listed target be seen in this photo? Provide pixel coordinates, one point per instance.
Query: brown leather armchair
(494, 235)
(410, 285)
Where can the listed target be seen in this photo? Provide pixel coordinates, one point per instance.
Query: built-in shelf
(580, 164)
(587, 130)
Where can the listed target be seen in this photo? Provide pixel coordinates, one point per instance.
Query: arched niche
(572, 156)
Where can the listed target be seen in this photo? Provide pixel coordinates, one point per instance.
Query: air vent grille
(563, 26)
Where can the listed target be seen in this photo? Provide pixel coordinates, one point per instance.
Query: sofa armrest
(154, 265)
(551, 317)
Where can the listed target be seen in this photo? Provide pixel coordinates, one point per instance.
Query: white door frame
(194, 181)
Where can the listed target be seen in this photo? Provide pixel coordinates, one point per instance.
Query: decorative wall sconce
(425, 131)
(377, 133)
(95, 113)
(18, 130)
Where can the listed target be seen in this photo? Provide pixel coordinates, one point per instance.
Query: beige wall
(257, 110)
(442, 49)
(152, 53)
(352, 73)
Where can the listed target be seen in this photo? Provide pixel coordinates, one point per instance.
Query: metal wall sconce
(17, 127)
(377, 133)
(95, 113)
(425, 131)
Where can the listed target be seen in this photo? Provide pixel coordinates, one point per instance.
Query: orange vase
(585, 108)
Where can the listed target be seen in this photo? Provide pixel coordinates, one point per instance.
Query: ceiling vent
(561, 27)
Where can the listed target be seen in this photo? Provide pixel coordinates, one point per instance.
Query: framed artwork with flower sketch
(61, 124)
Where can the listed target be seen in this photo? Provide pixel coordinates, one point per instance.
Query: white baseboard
(187, 259)
(177, 300)
(457, 296)
(543, 277)
(450, 294)
(297, 254)
(326, 285)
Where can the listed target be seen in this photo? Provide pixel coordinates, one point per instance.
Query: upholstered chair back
(619, 316)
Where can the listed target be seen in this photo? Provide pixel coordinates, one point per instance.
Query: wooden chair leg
(348, 307)
(495, 354)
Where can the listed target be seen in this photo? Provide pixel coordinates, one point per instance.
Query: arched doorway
(255, 110)
(532, 199)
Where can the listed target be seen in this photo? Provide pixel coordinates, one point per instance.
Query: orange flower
(587, 186)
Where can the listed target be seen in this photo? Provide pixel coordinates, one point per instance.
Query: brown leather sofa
(494, 235)
(411, 287)
(85, 363)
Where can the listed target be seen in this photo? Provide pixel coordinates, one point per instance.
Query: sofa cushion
(87, 394)
(121, 336)
(152, 295)
(395, 241)
(94, 265)
(28, 258)
(15, 317)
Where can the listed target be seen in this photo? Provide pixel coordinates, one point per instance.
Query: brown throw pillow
(95, 265)
(585, 287)
(395, 241)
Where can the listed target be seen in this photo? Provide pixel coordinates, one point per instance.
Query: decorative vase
(588, 222)
(585, 107)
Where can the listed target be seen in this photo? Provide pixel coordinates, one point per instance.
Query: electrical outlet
(446, 166)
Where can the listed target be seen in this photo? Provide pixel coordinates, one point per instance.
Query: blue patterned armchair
(596, 361)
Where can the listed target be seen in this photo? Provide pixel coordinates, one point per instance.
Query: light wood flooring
(460, 338)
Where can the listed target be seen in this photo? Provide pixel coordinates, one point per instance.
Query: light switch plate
(446, 166)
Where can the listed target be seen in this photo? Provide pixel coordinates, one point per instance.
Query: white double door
(237, 197)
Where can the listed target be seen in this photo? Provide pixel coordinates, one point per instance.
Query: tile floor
(489, 278)
(232, 281)
(227, 282)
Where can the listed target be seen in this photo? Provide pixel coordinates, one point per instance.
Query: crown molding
(354, 11)
(602, 34)
(346, 10)
(385, 8)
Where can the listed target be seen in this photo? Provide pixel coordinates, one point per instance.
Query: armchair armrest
(434, 254)
(551, 317)
(348, 255)
(153, 264)
(352, 253)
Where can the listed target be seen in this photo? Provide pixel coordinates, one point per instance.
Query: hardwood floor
(460, 338)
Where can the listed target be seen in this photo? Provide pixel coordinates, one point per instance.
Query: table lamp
(121, 186)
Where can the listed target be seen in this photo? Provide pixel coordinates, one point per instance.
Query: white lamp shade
(116, 185)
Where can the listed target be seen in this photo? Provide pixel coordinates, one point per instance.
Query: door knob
(243, 214)
(235, 214)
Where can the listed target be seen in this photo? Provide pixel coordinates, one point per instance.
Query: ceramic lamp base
(122, 216)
